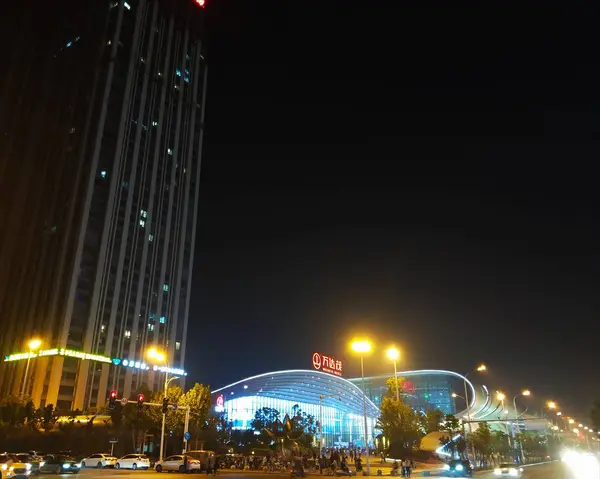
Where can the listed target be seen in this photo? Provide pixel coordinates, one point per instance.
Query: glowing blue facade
(335, 401)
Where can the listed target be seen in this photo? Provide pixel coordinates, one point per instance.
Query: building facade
(103, 114)
(333, 401)
(423, 389)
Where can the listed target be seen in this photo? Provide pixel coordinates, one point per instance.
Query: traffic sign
(187, 436)
(113, 440)
(174, 406)
(124, 402)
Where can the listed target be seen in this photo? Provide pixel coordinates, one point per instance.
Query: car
(458, 468)
(34, 463)
(59, 464)
(512, 470)
(133, 461)
(177, 463)
(99, 461)
(11, 468)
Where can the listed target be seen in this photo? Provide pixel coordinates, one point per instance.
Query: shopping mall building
(336, 402)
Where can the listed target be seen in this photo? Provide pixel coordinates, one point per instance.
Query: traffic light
(112, 399)
(165, 407)
(140, 403)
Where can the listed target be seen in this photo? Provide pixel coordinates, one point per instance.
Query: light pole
(160, 357)
(394, 354)
(363, 347)
(525, 392)
(481, 368)
(33, 344)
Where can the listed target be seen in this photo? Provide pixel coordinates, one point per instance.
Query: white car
(99, 461)
(176, 463)
(133, 461)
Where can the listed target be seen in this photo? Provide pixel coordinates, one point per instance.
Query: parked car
(459, 468)
(512, 470)
(59, 464)
(202, 456)
(34, 462)
(177, 463)
(133, 461)
(99, 461)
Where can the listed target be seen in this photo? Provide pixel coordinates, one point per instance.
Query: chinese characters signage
(408, 387)
(327, 364)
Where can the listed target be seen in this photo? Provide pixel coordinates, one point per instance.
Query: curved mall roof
(303, 386)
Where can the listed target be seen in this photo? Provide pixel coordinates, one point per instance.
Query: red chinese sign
(327, 364)
(220, 403)
(408, 387)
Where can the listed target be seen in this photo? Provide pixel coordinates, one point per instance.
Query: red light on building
(200, 3)
(113, 394)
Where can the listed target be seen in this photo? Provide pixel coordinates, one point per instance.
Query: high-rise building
(101, 126)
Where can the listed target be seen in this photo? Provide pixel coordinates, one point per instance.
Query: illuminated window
(169, 151)
(150, 238)
(142, 223)
(177, 345)
(127, 6)
(154, 123)
(69, 44)
(178, 72)
(163, 320)
(102, 328)
(165, 287)
(103, 174)
(144, 214)
(150, 327)
(127, 334)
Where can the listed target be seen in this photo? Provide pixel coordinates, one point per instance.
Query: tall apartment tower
(101, 126)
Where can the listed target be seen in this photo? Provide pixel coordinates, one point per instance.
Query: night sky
(422, 174)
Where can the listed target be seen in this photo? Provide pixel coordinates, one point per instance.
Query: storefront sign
(327, 364)
(58, 352)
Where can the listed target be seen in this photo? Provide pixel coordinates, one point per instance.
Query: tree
(198, 400)
(400, 424)
(265, 418)
(482, 440)
(451, 425)
(500, 443)
(305, 423)
(431, 421)
(391, 386)
(595, 414)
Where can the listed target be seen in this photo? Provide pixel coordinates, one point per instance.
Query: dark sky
(425, 174)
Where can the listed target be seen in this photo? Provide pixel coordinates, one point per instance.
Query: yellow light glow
(156, 355)
(571, 421)
(34, 344)
(559, 413)
(576, 431)
(526, 392)
(482, 367)
(551, 405)
(393, 354)
(501, 396)
(362, 346)
(580, 425)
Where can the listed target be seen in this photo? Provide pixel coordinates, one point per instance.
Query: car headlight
(513, 471)
(28, 466)
(66, 465)
(459, 467)
(498, 472)
(4, 467)
(446, 467)
(42, 464)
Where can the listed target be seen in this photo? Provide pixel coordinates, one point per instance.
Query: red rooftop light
(200, 3)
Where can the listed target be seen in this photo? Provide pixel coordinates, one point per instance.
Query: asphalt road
(554, 470)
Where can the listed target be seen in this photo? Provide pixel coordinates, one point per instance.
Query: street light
(161, 357)
(394, 354)
(525, 392)
(551, 405)
(33, 345)
(362, 347)
(481, 368)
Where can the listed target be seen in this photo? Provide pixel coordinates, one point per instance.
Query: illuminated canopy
(304, 386)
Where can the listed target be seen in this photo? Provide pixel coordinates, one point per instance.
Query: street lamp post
(160, 357)
(32, 345)
(479, 368)
(394, 354)
(525, 392)
(363, 347)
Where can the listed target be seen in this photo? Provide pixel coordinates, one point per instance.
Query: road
(554, 470)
